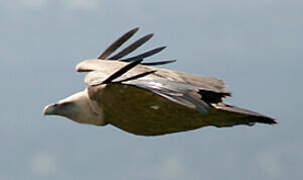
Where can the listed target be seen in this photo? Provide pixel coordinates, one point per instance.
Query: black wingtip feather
(158, 63)
(132, 47)
(116, 44)
(122, 71)
(136, 76)
(144, 55)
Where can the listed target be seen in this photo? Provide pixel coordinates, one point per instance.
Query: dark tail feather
(244, 116)
(261, 119)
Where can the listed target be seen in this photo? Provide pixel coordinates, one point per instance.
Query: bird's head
(77, 107)
(66, 109)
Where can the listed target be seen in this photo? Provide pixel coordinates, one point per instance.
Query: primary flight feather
(131, 95)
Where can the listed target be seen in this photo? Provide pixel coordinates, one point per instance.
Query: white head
(77, 107)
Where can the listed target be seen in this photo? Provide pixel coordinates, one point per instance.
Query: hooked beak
(50, 109)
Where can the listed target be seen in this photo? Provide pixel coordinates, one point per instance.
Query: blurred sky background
(255, 46)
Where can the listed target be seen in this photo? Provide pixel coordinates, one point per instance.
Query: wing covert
(177, 92)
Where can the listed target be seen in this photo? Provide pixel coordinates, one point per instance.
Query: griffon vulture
(135, 97)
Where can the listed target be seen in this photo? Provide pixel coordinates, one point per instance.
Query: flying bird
(138, 98)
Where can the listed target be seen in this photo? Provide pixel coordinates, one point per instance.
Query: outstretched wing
(113, 62)
(102, 69)
(185, 94)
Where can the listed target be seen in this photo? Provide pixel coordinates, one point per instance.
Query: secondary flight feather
(127, 92)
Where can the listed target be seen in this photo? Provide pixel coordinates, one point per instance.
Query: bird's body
(143, 112)
(149, 101)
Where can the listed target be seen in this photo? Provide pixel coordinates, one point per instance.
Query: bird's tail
(233, 115)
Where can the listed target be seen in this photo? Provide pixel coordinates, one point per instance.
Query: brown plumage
(144, 100)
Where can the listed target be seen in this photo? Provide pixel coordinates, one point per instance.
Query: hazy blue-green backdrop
(255, 46)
